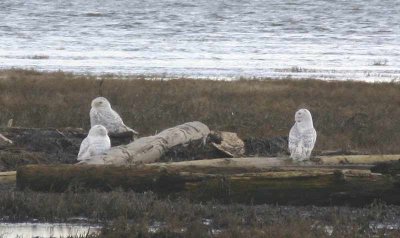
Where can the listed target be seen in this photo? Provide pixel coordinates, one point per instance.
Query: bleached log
(8, 177)
(150, 149)
(262, 163)
(356, 159)
(231, 145)
(5, 140)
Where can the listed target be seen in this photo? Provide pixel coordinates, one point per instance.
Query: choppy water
(342, 39)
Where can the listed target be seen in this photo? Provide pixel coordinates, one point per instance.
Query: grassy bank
(347, 115)
(128, 214)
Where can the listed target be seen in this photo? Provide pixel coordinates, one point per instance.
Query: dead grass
(129, 214)
(347, 115)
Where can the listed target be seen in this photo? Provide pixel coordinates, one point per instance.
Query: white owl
(101, 113)
(302, 136)
(96, 143)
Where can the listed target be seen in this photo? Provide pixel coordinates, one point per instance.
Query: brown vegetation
(128, 214)
(347, 115)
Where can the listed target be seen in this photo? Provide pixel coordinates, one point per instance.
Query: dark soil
(266, 147)
(269, 147)
(45, 146)
(391, 168)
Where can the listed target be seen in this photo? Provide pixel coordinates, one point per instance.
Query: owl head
(101, 103)
(98, 130)
(304, 119)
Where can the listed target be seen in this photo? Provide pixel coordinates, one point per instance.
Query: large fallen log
(256, 180)
(7, 180)
(261, 164)
(59, 146)
(152, 148)
(4, 141)
(355, 159)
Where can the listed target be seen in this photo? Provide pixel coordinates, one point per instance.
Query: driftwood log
(335, 180)
(152, 148)
(61, 146)
(4, 141)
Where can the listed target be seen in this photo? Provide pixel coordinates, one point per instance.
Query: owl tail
(135, 133)
(299, 152)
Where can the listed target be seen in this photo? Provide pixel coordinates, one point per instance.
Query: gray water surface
(340, 39)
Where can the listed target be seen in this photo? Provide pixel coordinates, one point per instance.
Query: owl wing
(119, 124)
(294, 138)
(309, 139)
(114, 117)
(135, 133)
(314, 137)
(94, 117)
(84, 150)
(108, 118)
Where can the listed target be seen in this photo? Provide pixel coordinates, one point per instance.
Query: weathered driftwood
(257, 180)
(7, 179)
(230, 144)
(355, 159)
(58, 146)
(152, 148)
(259, 163)
(4, 141)
(194, 150)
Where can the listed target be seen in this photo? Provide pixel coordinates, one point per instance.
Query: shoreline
(166, 76)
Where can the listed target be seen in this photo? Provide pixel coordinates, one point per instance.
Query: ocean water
(326, 39)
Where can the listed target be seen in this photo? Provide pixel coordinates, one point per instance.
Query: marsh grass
(347, 115)
(129, 214)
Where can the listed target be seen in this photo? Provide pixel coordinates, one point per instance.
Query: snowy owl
(102, 114)
(97, 142)
(302, 136)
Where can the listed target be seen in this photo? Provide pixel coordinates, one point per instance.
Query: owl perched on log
(101, 113)
(96, 143)
(302, 136)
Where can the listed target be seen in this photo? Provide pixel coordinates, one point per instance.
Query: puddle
(46, 230)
